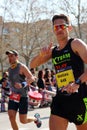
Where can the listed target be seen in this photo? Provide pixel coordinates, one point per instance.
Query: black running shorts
(71, 108)
(22, 105)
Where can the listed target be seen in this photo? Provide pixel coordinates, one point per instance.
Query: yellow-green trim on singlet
(85, 101)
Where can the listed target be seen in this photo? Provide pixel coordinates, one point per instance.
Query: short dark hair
(61, 16)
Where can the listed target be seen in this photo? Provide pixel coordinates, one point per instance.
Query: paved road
(44, 112)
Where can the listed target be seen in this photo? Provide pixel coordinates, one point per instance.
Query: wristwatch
(78, 81)
(24, 84)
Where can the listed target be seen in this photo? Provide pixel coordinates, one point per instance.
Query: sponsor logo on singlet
(64, 72)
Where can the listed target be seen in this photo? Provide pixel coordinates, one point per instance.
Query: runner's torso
(68, 65)
(15, 76)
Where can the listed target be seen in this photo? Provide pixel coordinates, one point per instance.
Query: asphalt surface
(44, 112)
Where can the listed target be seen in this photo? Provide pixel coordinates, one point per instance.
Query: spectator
(48, 81)
(33, 85)
(41, 81)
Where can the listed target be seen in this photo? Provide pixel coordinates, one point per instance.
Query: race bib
(15, 97)
(64, 78)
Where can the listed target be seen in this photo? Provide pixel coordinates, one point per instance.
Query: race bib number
(64, 78)
(15, 97)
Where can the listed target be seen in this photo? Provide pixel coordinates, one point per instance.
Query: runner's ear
(50, 45)
(70, 27)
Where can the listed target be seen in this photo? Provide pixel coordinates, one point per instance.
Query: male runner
(68, 58)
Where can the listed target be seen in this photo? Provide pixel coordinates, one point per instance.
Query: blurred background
(25, 25)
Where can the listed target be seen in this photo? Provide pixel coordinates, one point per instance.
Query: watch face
(78, 81)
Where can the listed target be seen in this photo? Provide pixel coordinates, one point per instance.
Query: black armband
(78, 81)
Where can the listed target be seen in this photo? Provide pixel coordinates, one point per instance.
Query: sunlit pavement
(40, 129)
(44, 112)
(70, 127)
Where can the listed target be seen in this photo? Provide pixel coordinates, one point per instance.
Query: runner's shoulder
(78, 43)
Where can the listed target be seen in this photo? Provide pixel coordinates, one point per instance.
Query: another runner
(18, 100)
(68, 58)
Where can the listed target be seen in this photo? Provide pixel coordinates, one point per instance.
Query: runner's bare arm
(44, 55)
(29, 77)
(80, 48)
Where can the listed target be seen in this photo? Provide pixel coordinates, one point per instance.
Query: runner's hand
(18, 85)
(46, 50)
(31, 79)
(71, 88)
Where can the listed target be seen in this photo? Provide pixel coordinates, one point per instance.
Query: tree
(31, 33)
(77, 9)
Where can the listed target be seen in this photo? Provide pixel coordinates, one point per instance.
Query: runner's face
(60, 29)
(12, 58)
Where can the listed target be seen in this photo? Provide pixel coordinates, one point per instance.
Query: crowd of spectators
(4, 90)
(45, 80)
